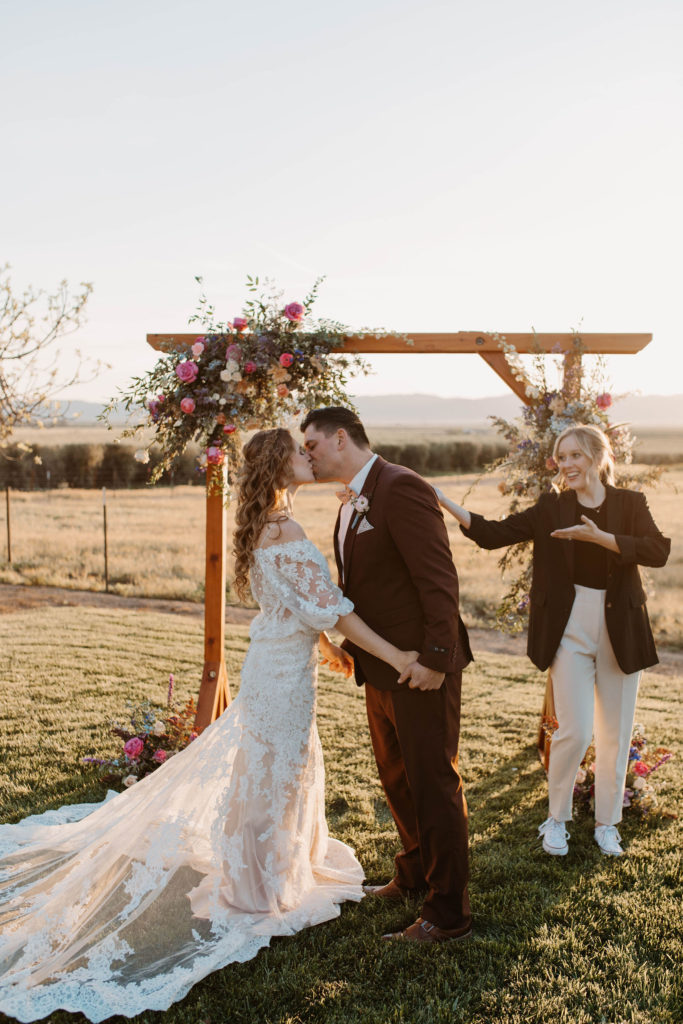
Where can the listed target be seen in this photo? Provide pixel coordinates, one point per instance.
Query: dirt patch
(17, 598)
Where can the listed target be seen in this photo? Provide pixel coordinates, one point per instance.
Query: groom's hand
(421, 678)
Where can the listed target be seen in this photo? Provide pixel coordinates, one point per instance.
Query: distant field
(650, 440)
(156, 543)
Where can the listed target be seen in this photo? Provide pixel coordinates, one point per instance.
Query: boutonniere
(360, 505)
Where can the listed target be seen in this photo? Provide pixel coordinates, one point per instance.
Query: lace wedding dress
(121, 907)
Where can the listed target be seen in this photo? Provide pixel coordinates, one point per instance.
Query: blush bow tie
(346, 495)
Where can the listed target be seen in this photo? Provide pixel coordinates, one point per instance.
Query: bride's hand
(336, 659)
(405, 658)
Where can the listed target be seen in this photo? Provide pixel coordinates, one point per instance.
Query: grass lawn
(579, 939)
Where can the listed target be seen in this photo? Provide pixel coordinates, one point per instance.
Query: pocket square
(364, 526)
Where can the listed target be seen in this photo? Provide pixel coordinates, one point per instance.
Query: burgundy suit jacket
(398, 571)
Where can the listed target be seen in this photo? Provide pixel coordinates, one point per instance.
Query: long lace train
(120, 907)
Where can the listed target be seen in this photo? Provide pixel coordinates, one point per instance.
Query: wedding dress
(120, 907)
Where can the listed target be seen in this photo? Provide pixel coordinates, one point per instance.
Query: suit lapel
(337, 557)
(567, 516)
(351, 533)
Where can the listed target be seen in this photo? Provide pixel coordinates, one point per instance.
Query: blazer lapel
(352, 532)
(612, 510)
(567, 516)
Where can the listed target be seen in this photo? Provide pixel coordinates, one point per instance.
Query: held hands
(419, 677)
(336, 659)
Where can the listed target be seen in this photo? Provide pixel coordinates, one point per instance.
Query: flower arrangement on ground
(639, 792)
(527, 471)
(151, 735)
(256, 371)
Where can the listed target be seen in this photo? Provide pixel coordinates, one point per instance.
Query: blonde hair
(262, 478)
(595, 445)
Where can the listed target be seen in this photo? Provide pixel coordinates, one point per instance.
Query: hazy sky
(449, 166)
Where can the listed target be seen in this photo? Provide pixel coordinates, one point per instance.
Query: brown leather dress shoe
(391, 891)
(423, 931)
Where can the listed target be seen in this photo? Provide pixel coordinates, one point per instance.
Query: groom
(395, 564)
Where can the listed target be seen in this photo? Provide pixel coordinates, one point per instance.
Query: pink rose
(294, 311)
(550, 463)
(160, 756)
(133, 748)
(286, 359)
(604, 400)
(239, 323)
(640, 769)
(198, 347)
(188, 405)
(249, 367)
(214, 455)
(233, 352)
(229, 428)
(282, 391)
(187, 371)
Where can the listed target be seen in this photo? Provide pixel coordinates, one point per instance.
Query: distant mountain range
(665, 411)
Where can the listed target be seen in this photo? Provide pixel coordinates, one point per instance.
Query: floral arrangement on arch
(256, 371)
(639, 792)
(528, 469)
(151, 735)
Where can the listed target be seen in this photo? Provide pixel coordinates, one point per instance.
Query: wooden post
(572, 374)
(106, 554)
(214, 692)
(9, 526)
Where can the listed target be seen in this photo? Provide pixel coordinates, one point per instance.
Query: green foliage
(582, 939)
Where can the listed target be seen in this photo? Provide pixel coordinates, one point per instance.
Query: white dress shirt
(347, 510)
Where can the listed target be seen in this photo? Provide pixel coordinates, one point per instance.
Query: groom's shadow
(514, 884)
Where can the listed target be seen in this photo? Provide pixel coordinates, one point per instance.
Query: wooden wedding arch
(214, 692)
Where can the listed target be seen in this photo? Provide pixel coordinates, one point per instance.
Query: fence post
(106, 559)
(9, 526)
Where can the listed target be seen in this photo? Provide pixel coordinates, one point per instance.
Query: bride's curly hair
(263, 476)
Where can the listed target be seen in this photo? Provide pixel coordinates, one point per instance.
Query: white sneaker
(609, 840)
(555, 837)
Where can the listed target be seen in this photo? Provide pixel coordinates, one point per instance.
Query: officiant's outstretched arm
(588, 619)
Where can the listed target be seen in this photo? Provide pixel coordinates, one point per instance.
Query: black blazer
(552, 587)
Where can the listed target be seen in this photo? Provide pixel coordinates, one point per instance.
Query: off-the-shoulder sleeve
(305, 587)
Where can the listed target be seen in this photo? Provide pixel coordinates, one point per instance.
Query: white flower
(639, 783)
(142, 455)
(231, 371)
(158, 729)
(129, 781)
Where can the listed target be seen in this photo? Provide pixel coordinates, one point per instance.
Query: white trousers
(587, 681)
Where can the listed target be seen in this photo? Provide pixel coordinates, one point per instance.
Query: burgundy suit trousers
(415, 740)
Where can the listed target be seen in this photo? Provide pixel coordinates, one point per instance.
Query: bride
(123, 906)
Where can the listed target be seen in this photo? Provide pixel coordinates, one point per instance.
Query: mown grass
(156, 543)
(582, 939)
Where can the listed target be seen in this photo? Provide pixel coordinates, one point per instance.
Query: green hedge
(114, 465)
(88, 465)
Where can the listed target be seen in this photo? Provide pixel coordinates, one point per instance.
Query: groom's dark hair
(334, 417)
